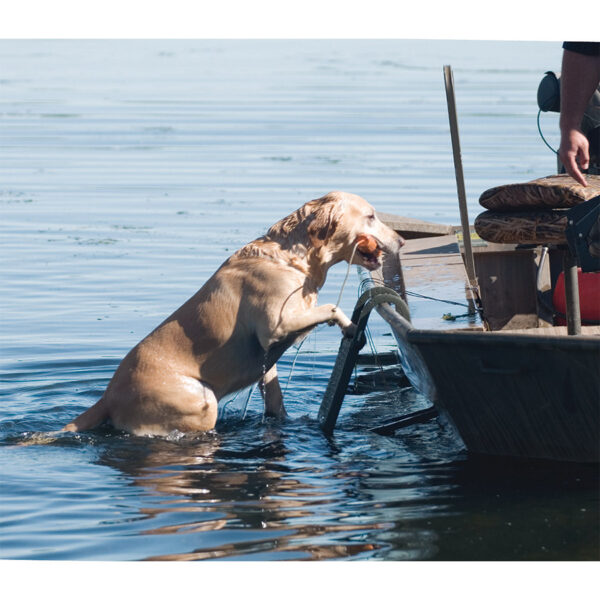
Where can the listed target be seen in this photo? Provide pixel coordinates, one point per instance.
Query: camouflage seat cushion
(555, 191)
(523, 227)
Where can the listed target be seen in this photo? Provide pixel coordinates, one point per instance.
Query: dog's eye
(371, 217)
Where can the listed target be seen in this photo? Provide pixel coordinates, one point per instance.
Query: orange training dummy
(367, 244)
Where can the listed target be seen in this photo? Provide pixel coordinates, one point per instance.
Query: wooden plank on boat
(414, 228)
(432, 263)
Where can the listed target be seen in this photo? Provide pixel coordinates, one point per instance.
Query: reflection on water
(265, 490)
(130, 172)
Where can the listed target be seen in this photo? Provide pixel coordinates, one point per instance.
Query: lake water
(129, 171)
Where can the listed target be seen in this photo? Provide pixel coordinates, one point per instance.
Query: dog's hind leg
(271, 393)
(178, 402)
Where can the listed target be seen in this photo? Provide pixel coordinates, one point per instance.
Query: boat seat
(547, 212)
(541, 226)
(554, 191)
(534, 212)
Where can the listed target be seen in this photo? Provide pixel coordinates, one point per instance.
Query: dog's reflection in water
(250, 491)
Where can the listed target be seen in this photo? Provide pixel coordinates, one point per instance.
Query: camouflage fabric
(523, 227)
(555, 191)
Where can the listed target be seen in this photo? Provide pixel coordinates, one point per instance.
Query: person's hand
(574, 149)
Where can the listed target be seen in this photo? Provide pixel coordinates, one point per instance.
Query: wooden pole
(572, 293)
(460, 182)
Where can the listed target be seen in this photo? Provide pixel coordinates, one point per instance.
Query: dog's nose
(401, 240)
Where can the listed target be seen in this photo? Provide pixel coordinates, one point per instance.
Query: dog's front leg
(271, 393)
(326, 313)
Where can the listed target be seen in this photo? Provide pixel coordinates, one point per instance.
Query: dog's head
(333, 227)
(348, 227)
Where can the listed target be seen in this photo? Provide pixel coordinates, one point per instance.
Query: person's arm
(579, 78)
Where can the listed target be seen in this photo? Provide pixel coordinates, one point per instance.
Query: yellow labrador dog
(233, 331)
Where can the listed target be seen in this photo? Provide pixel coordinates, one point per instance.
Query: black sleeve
(589, 48)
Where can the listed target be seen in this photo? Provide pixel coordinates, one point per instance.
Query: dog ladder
(347, 356)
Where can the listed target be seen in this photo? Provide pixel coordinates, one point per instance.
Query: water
(129, 171)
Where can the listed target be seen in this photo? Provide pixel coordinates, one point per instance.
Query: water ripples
(252, 488)
(130, 172)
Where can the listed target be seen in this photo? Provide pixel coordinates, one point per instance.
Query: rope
(346, 278)
(371, 342)
(337, 304)
(436, 299)
(248, 400)
(451, 317)
(293, 365)
(366, 282)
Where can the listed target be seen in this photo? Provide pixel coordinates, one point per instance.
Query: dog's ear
(323, 219)
(286, 226)
(312, 224)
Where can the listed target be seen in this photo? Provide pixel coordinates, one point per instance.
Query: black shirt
(589, 48)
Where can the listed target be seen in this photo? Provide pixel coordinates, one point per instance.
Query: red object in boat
(589, 297)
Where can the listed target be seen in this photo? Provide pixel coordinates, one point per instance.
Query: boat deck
(432, 263)
(431, 267)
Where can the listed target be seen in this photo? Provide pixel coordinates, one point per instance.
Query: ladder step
(348, 353)
(419, 416)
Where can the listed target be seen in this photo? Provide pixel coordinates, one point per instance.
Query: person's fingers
(583, 157)
(573, 170)
(574, 154)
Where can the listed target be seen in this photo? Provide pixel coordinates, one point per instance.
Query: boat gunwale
(501, 339)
